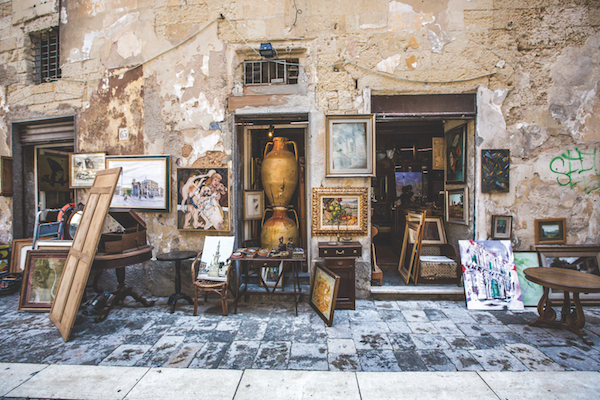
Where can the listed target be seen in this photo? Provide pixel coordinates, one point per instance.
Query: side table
(568, 281)
(340, 259)
(177, 256)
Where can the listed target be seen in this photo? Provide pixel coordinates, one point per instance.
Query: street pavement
(382, 349)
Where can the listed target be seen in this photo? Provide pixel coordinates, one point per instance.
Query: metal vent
(271, 71)
(46, 56)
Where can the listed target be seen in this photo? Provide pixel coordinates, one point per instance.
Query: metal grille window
(46, 56)
(271, 71)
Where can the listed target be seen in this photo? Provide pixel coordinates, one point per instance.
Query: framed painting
(531, 292)
(408, 182)
(433, 231)
(41, 277)
(457, 206)
(490, 276)
(551, 231)
(144, 184)
(254, 204)
(271, 274)
(340, 211)
(455, 154)
(501, 226)
(6, 176)
(350, 145)
(53, 170)
(203, 199)
(83, 168)
(495, 166)
(438, 160)
(215, 260)
(323, 293)
(19, 254)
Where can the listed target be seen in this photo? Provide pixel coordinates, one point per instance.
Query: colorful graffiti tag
(577, 167)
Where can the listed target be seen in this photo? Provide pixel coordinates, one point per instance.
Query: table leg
(178, 295)
(574, 321)
(296, 284)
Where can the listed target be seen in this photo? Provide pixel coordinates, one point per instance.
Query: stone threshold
(422, 292)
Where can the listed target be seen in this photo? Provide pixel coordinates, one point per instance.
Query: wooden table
(568, 281)
(118, 262)
(259, 264)
(177, 256)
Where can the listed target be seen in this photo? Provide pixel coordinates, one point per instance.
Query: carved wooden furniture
(206, 287)
(568, 281)
(340, 259)
(177, 256)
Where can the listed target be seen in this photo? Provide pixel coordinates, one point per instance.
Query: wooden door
(80, 257)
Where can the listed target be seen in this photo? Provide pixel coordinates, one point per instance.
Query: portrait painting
(455, 154)
(203, 199)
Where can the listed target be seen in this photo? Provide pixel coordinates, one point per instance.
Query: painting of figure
(203, 199)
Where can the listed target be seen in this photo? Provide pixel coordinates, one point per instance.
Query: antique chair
(205, 284)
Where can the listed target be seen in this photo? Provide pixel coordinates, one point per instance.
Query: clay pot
(279, 171)
(279, 225)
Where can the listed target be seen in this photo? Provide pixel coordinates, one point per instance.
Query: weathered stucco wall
(170, 72)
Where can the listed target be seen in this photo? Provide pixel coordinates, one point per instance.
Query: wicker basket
(437, 267)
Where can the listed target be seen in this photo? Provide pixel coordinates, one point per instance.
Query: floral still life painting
(490, 277)
(203, 199)
(339, 211)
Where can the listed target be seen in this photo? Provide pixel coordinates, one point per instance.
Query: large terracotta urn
(280, 225)
(279, 171)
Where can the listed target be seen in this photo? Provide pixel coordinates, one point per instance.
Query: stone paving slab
(13, 375)
(377, 336)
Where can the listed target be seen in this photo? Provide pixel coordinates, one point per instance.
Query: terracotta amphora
(280, 225)
(279, 171)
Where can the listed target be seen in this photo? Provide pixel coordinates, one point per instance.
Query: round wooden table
(568, 281)
(177, 256)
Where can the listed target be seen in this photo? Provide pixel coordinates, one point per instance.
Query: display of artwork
(144, 183)
(53, 172)
(457, 206)
(350, 145)
(41, 277)
(203, 199)
(490, 276)
(340, 211)
(455, 155)
(215, 260)
(83, 168)
(495, 166)
(530, 292)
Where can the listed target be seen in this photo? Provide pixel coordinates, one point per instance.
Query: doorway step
(421, 292)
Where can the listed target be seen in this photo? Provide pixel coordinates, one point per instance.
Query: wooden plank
(85, 243)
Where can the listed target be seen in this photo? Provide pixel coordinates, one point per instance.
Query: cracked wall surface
(170, 71)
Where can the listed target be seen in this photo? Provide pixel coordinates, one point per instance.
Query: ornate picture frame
(83, 168)
(323, 293)
(203, 202)
(501, 226)
(41, 278)
(551, 231)
(350, 145)
(144, 184)
(254, 204)
(456, 143)
(340, 211)
(457, 206)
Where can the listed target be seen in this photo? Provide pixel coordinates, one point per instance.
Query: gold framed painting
(340, 211)
(551, 231)
(350, 145)
(323, 293)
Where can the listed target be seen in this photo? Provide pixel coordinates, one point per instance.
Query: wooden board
(80, 258)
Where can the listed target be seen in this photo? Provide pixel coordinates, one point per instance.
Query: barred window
(271, 71)
(46, 56)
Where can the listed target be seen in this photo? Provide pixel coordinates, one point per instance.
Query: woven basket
(438, 269)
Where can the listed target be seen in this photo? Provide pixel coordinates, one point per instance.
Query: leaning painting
(490, 276)
(215, 261)
(43, 270)
(323, 293)
(203, 199)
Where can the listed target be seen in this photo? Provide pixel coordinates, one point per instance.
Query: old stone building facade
(169, 75)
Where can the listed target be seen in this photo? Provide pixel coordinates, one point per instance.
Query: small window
(46, 56)
(271, 71)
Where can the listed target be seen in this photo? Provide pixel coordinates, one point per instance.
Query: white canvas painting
(490, 275)
(214, 263)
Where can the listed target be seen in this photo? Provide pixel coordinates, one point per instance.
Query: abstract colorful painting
(495, 166)
(490, 275)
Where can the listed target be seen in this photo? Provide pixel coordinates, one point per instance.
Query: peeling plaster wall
(170, 70)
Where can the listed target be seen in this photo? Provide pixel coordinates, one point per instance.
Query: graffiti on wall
(576, 167)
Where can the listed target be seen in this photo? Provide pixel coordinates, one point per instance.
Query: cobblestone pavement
(377, 336)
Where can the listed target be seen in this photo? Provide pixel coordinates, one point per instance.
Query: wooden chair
(206, 287)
